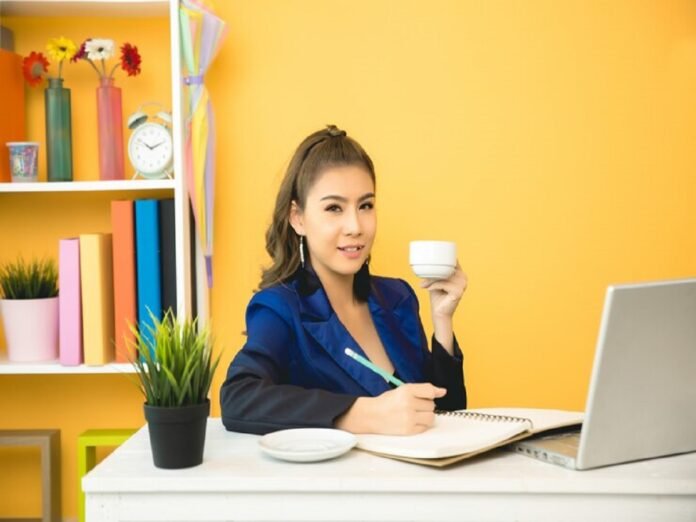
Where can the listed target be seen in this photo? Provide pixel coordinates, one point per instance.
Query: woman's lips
(351, 251)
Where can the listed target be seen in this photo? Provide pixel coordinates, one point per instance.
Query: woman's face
(339, 220)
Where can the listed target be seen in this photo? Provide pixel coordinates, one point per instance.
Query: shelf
(113, 8)
(45, 201)
(88, 186)
(54, 367)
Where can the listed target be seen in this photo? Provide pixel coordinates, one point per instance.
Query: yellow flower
(60, 49)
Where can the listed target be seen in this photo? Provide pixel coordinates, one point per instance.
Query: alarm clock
(150, 146)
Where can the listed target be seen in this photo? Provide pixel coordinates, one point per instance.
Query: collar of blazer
(390, 309)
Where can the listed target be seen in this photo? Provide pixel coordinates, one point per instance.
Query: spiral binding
(487, 417)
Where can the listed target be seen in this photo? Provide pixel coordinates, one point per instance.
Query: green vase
(58, 131)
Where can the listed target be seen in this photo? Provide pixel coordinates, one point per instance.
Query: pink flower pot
(31, 329)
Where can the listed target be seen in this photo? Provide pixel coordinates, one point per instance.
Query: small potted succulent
(174, 367)
(29, 309)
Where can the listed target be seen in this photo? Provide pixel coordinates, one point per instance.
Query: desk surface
(236, 481)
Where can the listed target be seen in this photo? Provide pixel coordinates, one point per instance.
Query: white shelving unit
(54, 367)
(88, 186)
(175, 187)
(120, 8)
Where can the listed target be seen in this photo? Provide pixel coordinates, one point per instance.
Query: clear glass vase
(110, 122)
(58, 131)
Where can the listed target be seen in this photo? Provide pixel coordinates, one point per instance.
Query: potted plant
(174, 368)
(29, 309)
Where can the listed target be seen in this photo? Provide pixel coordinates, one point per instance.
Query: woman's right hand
(405, 410)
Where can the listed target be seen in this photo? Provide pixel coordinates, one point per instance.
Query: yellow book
(96, 278)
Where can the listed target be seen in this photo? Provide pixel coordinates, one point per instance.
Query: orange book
(97, 285)
(125, 303)
(12, 122)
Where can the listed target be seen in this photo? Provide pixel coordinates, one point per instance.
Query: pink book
(69, 302)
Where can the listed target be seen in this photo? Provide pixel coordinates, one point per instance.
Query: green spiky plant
(174, 362)
(35, 279)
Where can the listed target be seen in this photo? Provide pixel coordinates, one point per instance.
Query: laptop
(642, 395)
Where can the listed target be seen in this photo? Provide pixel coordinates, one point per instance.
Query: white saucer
(307, 444)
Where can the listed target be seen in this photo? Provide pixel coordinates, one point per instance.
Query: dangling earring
(302, 251)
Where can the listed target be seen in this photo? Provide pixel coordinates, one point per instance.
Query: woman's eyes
(337, 208)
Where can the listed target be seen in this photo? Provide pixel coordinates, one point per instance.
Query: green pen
(367, 364)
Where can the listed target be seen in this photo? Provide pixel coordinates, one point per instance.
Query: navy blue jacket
(293, 372)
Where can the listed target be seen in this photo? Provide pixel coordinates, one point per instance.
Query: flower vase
(58, 131)
(110, 119)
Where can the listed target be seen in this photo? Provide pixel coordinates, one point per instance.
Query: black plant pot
(177, 434)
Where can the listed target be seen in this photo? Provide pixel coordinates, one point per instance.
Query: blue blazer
(293, 372)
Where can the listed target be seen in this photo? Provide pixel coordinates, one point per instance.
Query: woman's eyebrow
(344, 199)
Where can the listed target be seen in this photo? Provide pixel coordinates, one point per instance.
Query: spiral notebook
(458, 435)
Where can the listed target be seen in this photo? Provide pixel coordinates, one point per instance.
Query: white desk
(237, 482)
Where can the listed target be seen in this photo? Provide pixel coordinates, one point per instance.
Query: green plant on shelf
(35, 279)
(174, 363)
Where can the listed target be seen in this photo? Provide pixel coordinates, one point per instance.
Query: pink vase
(110, 120)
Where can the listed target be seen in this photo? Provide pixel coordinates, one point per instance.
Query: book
(192, 262)
(148, 268)
(69, 303)
(459, 435)
(97, 284)
(12, 123)
(168, 254)
(125, 291)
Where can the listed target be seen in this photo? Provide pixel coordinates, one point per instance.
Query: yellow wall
(553, 141)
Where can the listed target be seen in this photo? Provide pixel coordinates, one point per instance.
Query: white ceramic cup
(433, 259)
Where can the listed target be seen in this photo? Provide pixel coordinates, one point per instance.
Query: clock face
(150, 150)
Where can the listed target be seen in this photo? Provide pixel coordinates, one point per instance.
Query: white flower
(99, 49)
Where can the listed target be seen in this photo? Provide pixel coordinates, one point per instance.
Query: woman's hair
(321, 150)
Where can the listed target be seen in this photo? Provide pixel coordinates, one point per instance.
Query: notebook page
(451, 435)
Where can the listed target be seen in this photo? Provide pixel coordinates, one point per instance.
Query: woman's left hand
(446, 293)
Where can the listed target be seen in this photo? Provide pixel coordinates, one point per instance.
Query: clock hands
(142, 142)
(151, 147)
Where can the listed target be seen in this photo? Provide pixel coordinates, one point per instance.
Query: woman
(318, 298)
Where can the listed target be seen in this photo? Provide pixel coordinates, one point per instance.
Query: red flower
(81, 53)
(130, 59)
(34, 66)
